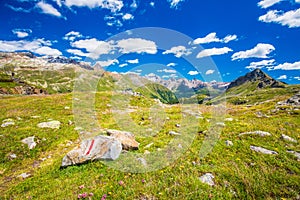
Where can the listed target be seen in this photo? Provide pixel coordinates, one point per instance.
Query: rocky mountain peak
(257, 76)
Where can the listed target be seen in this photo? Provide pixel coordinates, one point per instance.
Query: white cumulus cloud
(22, 33)
(123, 65)
(290, 18)
(48, 9)
(282, 77)
(175, 3)
(261, 64)
(171, 71)
(112, 5)
(267, 3)
(106, 63)
(212, 37)
(171, 65)
(287, 66)
(72, 35)
(94, 47)
(77, 52)
(193, 73)
(135, 61)
(127, 16)
(137, 45)
(261, 50)
(210, 71)
(39, 46)
(213, 52)
(178, 51)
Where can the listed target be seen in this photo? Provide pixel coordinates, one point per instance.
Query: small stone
(67, 108)
(262, 150)
(229, 119)
(288, 138)
(146, 152)
(220, 124)
(30, 142)
(19, 118)
(6, 124)
(51, 124)
(228, 143)
(260, 133)
(13, 156)
(207, 179)
(70, 122)
(78, 128)
(35, 116)
(24, 175)
(149, 145)
(174, 133)
(177, 125)
(142, 161)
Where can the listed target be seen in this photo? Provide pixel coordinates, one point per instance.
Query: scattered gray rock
(296, 154)
(30, 142)
(7, 122)
(51, 124)
(127, 139)
(146, 152)
(229, 119)
(207, 179)
(222, 124)
(174, 133)
(35, 116)
(177, 125)
(288, 138)
(260, 133)
(262, 150)
(19, 118)
(142, 161)
(97, 148)
(228, 143)
(78, 128)
(260, 114)
(24, 175)
(149, 145)
(13, 156)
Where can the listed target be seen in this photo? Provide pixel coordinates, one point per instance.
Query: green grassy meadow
(240, 173)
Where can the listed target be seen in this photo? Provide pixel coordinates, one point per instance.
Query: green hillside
(158, 91)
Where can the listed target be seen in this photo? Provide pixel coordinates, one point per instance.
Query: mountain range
(24, 73)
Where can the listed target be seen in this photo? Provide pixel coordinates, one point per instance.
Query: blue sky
(216, 40)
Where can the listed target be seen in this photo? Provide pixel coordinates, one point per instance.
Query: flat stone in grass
(228, 143)
(207, 179)
(51, 124)
(24, 175)
(127, 139)
(7, 122)
(97, 148)
(30, 142)
(288, 138)
(174, 133)
(260, 133)
(262, 150)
